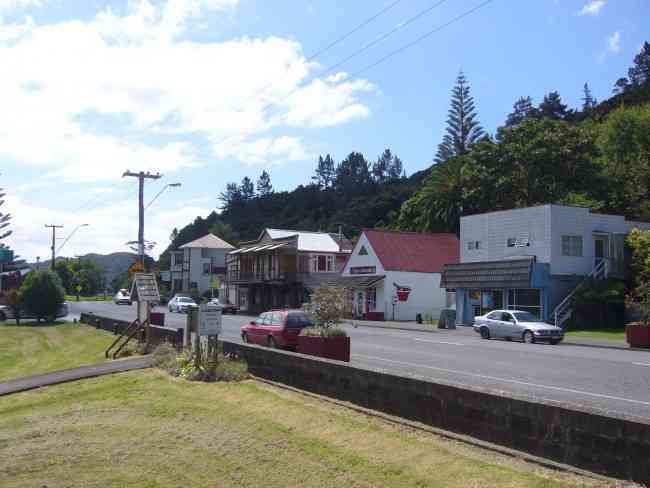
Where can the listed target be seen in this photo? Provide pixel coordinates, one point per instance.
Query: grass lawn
(31, 349)
(147, 429)
(605, 334)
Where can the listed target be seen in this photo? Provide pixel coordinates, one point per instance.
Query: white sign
(209, 320)
(145, 288)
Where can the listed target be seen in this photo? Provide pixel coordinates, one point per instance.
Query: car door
(493, 321)
(509, 325)
(256, 330)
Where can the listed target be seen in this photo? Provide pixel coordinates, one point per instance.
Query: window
(506, 317)
(260, 320)
(322, 263)
(371, 299)
(276, 318)
(206, 268)
(178, 257)
(266, 318)
(572, 246)
(472, 245)
(494, 316)
(363, 251)
(525, 299)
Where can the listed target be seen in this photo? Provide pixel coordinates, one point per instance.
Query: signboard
(145, 288)
(209, 320)
(136, 267)
(363, 270)
(165, 276)
(403, 292)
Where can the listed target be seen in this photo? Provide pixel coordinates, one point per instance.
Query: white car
(6, 313)
(181, 304)
(517, 324)
(122, 297)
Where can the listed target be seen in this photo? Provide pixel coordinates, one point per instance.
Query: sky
(206, 92)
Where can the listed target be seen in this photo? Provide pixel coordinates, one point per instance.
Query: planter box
(637, 335)
(337, 348)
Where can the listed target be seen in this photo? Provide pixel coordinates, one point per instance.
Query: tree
(380, 167)
(588, 101)
(325, 172)
(14, 301)
(352, 174)
(552, 107)
(174, 235)
(65, 273)
(521, 110)
(232, 196)
(42, 293)
(639, 73)
(224, 231)
(621, 86)
(264, 187)
(463, 128)
(4, 219)
(247, 189)
(327, 306)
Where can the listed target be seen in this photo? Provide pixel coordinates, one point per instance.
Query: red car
(279, 328)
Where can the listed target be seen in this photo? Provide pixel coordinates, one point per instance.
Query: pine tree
(231, 196)
(380, 167)
(264, 184)
(396, 169)
(639, 74)
(552, 107)
(4, 219)
(247, 189)
(325, 172)
(463, 128)
(352, 173)
(521, 110)
(588, 101)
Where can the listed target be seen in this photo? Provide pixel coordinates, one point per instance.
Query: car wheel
(485, 333)
(244, 337)
(271, 342)
(528, 337)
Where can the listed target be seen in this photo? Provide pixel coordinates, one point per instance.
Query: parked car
(122, 297)
(517, 324)
(181, 304)
(225, 307)
(6, 313)
(279, 328)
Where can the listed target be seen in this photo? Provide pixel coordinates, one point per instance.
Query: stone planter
(337, 348)
(637, 335)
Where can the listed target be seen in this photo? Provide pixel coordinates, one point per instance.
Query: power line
(421, 38)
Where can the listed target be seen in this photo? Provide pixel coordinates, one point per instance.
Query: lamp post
(168, 185)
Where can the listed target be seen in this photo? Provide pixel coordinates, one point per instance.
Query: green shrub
(42, 293)
(598, 304)
(164, 356)
(183, 365)
(323, 332)
(14, 301)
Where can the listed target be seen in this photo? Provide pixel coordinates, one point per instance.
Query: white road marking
(506, 380)
(641, 364)
(439, 342)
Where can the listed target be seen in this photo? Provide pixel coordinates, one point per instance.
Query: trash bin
(418, 318)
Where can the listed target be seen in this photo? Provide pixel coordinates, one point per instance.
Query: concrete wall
(426, 298)
(611, 446)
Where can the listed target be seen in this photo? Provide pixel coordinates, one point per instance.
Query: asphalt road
(608, 381)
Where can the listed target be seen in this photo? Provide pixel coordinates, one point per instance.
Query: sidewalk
(66, 375)
(465, 331)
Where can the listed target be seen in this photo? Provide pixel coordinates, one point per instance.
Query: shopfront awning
(510, 273)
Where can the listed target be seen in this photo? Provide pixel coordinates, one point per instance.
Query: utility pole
(53, 227)
(141, 176)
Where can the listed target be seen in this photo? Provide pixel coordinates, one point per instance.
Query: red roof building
(396, 275)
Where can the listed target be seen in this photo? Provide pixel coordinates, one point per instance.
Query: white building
(197, 264)
(532, 258)
(383, 262)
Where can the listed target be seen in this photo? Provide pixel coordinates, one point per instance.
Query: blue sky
(209, 91)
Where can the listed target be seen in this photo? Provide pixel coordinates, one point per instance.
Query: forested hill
(353, 193)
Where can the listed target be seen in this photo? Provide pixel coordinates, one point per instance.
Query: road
(608, 381)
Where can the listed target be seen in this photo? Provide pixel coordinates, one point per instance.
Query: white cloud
(70, 89)
(614, 42)
(263, 151)
(16, 4)
(592, 7)
(31, 239)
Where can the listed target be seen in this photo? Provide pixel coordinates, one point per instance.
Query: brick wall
(606, 445)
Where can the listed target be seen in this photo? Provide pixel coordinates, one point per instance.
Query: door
(509, 327)
(599, 251)
(256, 331)
(359, 304)
(493, 320)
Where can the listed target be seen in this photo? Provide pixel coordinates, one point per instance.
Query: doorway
(600, 248)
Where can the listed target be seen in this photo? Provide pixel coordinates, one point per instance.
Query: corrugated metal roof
(511, 273)
(209, 241)
(307, 241)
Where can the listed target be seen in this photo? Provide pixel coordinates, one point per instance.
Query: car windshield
(526, 317)
(185, 300)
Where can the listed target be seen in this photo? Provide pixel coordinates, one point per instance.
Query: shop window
(529, 300)
(206, 268)
(572, 246)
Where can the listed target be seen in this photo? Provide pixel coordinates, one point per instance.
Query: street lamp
(168, 185)
(70, 236)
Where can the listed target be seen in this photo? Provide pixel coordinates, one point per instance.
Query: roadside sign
(145, 288)
(136, 267)
(209, 320)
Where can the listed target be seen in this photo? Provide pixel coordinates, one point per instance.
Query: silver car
(181, 303)
(517, 324)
